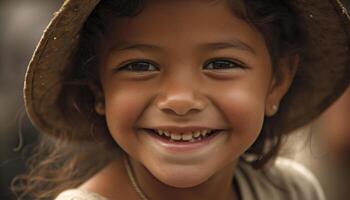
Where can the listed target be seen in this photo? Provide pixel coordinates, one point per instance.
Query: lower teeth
(192, 140)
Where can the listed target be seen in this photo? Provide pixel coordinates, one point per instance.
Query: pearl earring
(99, 108)
(274, 109)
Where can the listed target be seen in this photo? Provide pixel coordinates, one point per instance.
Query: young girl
(161, 99)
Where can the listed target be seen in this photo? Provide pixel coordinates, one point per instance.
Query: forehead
(183, 23)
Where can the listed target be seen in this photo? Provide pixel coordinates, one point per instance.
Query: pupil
(220, 64)
(139, 66)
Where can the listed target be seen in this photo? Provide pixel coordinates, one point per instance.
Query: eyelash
(217, 60)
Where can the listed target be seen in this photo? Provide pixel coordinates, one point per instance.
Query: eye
(140, 66)
(224, 64)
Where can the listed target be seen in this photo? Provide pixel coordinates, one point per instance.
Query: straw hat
(325, 66)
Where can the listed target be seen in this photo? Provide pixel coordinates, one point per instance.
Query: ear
(280, 83)
(99, 99)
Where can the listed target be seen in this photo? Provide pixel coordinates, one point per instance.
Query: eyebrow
(235, 44)
(134, 46)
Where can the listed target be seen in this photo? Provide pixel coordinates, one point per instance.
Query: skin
(179, 88)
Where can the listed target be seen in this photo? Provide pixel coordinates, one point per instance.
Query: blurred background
(323, 146)
(22, 23)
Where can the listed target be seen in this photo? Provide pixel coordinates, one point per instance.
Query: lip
(162, 143)
(178, 130)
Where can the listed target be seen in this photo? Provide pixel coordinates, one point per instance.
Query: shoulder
(79, 194)
(108, 183)
(298, 178)
(285, 179)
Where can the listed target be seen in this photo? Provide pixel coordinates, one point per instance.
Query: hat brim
(322, 76)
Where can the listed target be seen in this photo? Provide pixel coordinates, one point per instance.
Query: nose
(181, 102)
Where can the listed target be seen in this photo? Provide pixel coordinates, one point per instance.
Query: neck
(218, 187)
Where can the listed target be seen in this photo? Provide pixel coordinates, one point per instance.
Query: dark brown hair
(65, 154)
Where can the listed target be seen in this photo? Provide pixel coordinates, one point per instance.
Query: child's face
(179, 88)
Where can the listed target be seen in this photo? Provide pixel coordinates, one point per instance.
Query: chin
(178, 182)
(182, 178)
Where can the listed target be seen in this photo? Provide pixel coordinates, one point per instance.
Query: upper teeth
(184, 136)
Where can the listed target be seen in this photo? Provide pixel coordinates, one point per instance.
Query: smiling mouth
(184, 138)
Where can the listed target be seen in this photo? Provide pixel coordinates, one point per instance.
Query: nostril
(181, 104)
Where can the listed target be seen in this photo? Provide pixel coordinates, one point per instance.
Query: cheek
(123, 107)
(244, 110)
